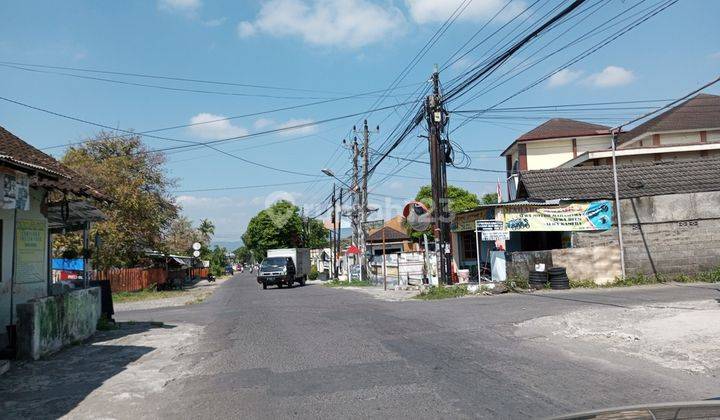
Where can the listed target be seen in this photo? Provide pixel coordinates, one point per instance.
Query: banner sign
(15, 192)
(30, 251)
(596, 215)
(483, 225)
(495, 235)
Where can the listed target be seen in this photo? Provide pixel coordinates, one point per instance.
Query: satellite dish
(196, 253)
(197, 246)
(417, 216)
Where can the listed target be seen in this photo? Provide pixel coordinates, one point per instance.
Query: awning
(74, 217)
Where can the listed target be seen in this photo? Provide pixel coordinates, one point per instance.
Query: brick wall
(670, 234)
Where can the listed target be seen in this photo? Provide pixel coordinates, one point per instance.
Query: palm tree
(207, 230)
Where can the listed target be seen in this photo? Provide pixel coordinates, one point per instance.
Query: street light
(330, 173)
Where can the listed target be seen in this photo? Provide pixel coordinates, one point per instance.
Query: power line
(242, 187)
(186, 79)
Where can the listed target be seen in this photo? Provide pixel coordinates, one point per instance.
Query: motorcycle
(210, 278)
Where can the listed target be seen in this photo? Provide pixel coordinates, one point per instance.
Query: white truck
(283, 267)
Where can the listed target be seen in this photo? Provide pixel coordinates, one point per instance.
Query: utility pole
(338, 236)
(364, 199)
(356, 201)
(436, 119)
(333, 239)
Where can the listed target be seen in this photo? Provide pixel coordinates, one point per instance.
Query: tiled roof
(637, 180)
(56, 175)
(563, 127)
(698, 112)
(394, 231)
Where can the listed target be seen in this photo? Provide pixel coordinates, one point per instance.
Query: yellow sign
(30, 255)
(596, 215)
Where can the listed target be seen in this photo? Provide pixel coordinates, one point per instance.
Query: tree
(141, 206)
(490, 198)
(206, 230)
(218, 260)
(243, 255)
(459, 199)
(281, 226)
(180, 236)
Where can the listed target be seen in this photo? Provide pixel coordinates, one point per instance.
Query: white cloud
(215, 129)
(424, 11)
(611, 76)
(564, 77)
(245, 29)
(214, 22)
(261, 123)
(187, 7)
(350, 23)
(715, 55)
(308, 129)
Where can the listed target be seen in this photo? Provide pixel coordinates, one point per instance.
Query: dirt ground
(681, 335)
(193, 294)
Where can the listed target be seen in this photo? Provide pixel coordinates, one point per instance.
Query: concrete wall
(47, 324)
(668, 234)
(545, 154)
(598, 263)
(23, 291)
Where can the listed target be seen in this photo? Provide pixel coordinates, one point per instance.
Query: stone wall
(598, 263)
(47, 324)
(669, 234)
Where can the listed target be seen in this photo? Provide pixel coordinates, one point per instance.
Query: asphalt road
(317, 352)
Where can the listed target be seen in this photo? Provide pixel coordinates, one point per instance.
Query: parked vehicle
(210, 278)
(284, 267)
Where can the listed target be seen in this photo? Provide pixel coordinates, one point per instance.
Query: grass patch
(712, 276)
(146, 294)
(585, 284)
(517, 284)
(439, 292)
(353, 283)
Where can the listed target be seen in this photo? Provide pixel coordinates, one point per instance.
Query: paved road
(316, 352)
(322, 352)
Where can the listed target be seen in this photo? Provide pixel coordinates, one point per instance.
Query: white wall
(585, 144)
(22, 291)
(546, 154)
(678, 138)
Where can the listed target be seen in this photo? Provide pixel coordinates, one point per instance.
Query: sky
(276, 54)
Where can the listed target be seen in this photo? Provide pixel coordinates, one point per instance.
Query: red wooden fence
(132, 279)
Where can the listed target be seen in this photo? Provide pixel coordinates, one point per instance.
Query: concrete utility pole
(338, 236)
(356, 199)
(333, 239)
(436, 120)
(364, 199)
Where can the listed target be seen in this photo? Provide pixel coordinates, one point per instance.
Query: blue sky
(309, 50)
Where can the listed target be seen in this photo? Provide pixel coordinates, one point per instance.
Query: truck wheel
(264, 286)
(280, 285)
(302, 280)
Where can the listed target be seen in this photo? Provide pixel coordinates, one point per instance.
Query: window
(469, 250)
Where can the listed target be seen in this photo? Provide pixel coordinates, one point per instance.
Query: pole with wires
(333, 237)
(364, 199)
(617, 203)
(338, 235)
(356, 201)
(436, 117)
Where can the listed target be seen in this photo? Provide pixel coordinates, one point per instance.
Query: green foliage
(353, 283)
(586, 284)
(281, 226)
(442, 292)
(313, 275)
(243, 255)
(517, 284)
(459, 199)
(218, 260)
(141, 206)
(489, 198)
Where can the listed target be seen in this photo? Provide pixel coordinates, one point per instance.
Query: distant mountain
(229, 245)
